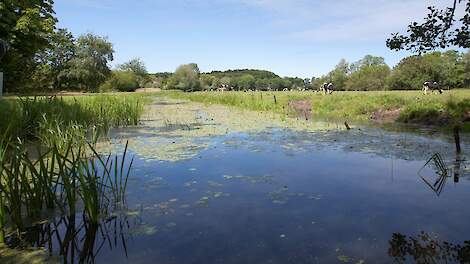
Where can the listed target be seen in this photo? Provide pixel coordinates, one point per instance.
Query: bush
(123, 81)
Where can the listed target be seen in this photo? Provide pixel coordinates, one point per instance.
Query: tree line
(42, 57)
(451, 69)
(189, 78)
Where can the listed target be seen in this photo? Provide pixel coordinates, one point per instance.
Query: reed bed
(51, 119)
(48, 160)
(62, 180)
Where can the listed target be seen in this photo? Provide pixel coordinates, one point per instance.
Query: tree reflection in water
(75, 239)
(427, 249)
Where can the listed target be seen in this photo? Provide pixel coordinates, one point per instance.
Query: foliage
(122, 81)
(440, 29)
(52, 119)
(54, 60)
(186, 78)
(445, 68)
(89, 67)
(368, 78)
(137, 67)
(25, 26)
(338, 76)
(246, 82)
(257, 74)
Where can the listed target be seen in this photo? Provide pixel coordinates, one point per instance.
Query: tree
(208, 81)
(276, 83)
(186, 78)
(262, 84)
(25, 26)
(339, 75)
(123, 81)
(369, 73)
(466, 63)
(368, 78)
(54, 60)
(246, 82)
(368, 60)
(440, 29)
(226, 81)
(89, 67)
(448, 69)
(136, 66)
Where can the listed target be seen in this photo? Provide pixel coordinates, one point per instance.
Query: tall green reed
(59, 179)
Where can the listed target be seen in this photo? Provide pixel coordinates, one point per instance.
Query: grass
(415, 108)
(64, 173)
(54, 119)
(58, 180)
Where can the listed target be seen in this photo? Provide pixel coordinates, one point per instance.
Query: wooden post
(457, 138)
(457, 169)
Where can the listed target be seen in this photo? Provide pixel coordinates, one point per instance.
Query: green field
(452, 107)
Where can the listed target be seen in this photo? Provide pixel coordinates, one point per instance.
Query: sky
(302, 38)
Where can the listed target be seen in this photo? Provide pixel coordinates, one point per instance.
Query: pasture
(410, 107)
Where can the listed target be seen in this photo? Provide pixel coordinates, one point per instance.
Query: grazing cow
(327, 88)
(330, 88)
(433, 86)
(285, 90)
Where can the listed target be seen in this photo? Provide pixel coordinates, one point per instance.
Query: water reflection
(437, 173)
(425, 248)
(75, 239)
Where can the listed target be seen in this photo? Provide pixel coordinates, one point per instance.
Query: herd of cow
(329, 88)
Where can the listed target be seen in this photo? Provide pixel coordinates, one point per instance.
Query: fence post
(457, 138)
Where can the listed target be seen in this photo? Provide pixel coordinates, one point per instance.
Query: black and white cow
(433, 86)
(327, 88)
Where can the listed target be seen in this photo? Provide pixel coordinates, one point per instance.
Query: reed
(59, 180)
(51, 119)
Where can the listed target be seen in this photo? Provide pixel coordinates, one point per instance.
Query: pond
(212, 184)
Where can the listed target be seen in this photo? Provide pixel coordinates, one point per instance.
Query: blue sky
(289, 37)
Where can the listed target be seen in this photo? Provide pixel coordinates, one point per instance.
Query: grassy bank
(409, 106)
(65, 174)
(51, 119)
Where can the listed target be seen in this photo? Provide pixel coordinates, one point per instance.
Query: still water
(278, 194)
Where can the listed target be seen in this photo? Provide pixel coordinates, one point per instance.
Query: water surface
(226, 186)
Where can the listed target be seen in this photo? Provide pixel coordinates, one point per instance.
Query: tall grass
(59, 180)
(64, 172)
(50, 119)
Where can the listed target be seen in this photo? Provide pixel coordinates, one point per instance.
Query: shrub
(123, 81)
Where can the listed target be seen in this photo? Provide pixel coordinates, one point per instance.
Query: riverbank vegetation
(52, 120)
(61, 172)
(393, 106)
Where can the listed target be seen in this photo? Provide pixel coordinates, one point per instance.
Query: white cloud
(349, 20)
